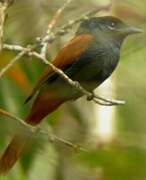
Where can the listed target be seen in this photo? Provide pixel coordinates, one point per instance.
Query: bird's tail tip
(11, 155)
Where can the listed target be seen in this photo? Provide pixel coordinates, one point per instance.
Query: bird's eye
(111, 26)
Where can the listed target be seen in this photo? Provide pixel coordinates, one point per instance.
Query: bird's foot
(104, 101)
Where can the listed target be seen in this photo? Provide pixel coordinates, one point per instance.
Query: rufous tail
(17, 146)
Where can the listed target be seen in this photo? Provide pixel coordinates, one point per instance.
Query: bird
(89, 57)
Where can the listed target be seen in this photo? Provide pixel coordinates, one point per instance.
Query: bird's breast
(91, 69)
(110, 61)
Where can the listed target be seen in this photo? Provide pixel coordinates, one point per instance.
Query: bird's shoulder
(73, 50)
(69, 54)
(65, 57)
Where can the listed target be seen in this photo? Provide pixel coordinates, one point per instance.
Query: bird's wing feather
(66, 57)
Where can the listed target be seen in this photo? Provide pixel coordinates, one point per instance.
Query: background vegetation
(120, 157)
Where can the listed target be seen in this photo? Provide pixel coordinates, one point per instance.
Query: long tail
(16, 148)
(12, 154)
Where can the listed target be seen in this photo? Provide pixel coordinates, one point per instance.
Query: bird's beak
(132, 30)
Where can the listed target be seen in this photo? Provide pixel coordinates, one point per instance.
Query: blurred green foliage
(29, 19)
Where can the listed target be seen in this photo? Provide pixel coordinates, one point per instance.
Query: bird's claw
(104, 101)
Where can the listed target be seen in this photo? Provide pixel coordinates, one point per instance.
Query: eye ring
(111, 26)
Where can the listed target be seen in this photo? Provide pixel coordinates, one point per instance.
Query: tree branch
(51, 26)
(65, 28)
(51, 137)
(90, 95)
(48, 38)
(13, 61)
(4, 4)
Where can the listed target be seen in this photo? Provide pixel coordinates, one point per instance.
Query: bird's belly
(92, 75)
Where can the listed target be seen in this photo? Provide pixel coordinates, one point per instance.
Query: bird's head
(108, 27)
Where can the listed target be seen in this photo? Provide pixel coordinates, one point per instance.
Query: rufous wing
(66, 56)
(46, 101)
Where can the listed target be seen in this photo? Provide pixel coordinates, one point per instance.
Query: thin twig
(29, 51)
(90, 96)
(16, 119)
(12, 62)
(13, 47)
(76, 147)
(109, 102)
(51, 26)
(32, 129)
(3, 7)
(65, 28)
(76, 84)
(23, 51)
(62, 31)
(53, 138)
